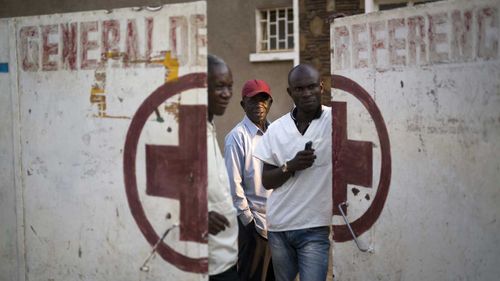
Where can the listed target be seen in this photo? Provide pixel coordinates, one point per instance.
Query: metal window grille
(275, 30)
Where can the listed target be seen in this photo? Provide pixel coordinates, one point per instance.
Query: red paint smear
(180, 172)
(69, 35)
(365, 222)
(190, 81)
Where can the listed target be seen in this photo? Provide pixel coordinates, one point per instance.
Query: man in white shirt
(222, 221)
(299, 209)
(249, 196)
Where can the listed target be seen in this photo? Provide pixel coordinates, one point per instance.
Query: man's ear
(288, 91)
(322, 86)
(242, 103)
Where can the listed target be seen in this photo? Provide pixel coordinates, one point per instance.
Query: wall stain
(355, 191)
(33, 230)
(80, 251)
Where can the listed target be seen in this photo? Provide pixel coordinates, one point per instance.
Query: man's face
(305, 90)
(220, 89)
(257, 107)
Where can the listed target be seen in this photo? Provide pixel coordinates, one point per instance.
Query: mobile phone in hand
(308, 145)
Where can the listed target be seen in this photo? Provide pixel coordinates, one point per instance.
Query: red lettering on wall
(199, 36)
(149, 43)
(49, 49)
(87, 45)
(396, 44)
(110, 39)
(29, 48)
(341, 48)
(359, 46)
(131, 44)
(179, 39)
(436, 38)
(68, 38)
(487, 40)
(416, 41)
(461, 35)
(377, 43)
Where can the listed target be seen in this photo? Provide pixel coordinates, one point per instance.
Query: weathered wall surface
(434, 73)
(81, 80)
(8, 220)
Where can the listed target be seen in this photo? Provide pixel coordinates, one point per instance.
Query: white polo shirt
(223, 247)
(304, 200)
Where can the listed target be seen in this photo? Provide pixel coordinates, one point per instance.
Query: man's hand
(302, 160)
(216, 223)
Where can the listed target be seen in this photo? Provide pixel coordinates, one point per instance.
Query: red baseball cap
(254, 87)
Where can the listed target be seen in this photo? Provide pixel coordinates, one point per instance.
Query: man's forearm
(274, 177)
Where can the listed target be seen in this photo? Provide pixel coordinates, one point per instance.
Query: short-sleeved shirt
(304, 200)
(245, 174)
(223, 247)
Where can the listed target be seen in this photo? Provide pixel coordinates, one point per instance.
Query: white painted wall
(441, 217)
(75, 222)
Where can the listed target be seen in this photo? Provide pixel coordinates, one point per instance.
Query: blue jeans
(304, 251)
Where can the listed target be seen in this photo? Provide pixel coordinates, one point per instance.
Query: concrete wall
(77, 82)
(433, 72)
(231, 35)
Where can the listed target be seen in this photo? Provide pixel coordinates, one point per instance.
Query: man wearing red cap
(249, 196)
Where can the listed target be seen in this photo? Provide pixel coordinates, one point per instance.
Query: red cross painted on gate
(352, 160)
(177, 172)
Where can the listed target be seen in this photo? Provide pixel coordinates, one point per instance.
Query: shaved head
(301, 70)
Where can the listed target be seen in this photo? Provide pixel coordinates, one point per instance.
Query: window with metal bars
(275, 30)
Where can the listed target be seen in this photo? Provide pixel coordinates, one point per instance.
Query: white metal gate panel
(433, 71)
(82, 80)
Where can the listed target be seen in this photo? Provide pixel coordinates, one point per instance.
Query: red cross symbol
(179, 172)
(352, 160)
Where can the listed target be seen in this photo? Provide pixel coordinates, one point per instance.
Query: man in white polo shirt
(299, 209)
